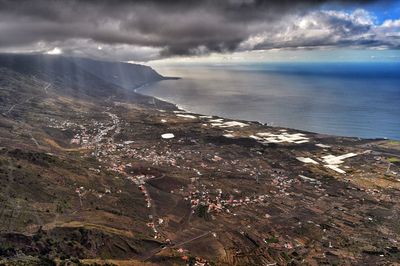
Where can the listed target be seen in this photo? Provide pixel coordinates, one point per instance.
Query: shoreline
(159, 184)
(267, 124)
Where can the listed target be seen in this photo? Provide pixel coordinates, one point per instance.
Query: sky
(204, 31)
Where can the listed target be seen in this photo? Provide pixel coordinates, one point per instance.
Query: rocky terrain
(93, 173)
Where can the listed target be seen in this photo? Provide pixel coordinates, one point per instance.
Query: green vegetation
(394, 160)
(61, 205)
(202, 212)
(271, 240)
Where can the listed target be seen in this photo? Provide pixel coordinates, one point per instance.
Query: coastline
(267, 124)
(197, 185)
(335, 104)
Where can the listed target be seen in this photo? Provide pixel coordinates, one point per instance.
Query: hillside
(87, 175)
(80, 75)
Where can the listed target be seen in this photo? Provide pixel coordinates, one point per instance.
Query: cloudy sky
(204, 30)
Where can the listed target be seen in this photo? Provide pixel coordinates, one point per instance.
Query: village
(258, 185)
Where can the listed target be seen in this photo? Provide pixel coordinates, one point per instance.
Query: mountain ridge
(75, 71)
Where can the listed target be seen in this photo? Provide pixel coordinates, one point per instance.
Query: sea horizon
(352, 99)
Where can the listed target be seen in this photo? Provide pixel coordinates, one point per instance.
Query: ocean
(347, 99)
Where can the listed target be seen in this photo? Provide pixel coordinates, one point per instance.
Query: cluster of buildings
(215, 200)
(90, 133)
(290, 191)
(140, 181)
(80, 138)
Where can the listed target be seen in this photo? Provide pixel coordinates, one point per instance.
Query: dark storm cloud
(165, 27)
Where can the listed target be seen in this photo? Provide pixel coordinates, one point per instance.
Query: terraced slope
(85, 177)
